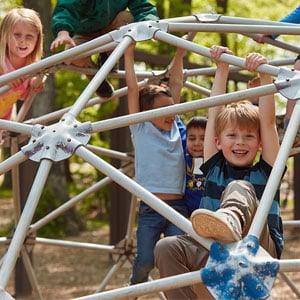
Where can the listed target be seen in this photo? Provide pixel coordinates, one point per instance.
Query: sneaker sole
(207, 225)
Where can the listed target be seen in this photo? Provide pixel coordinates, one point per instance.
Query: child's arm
(131, 81)
(268, 131)
(219, 87)
(37, 83)
(17, 82)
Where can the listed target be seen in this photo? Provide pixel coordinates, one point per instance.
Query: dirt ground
(67, 273)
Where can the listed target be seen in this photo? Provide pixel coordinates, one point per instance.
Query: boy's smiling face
(239, 145)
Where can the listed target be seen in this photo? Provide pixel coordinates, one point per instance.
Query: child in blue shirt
(159, 165)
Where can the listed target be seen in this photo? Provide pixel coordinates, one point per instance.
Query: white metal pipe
(10, 162)
(291, 223)
(132, 291)
(19, 236)
(83, 245)
(140, 192)
(289, 265)
(59, 113)
(276, 174)
(290, 284)
(16, 127)
(231, 59)
(233, 28)
(169, 283)
(183, 108)
(72, 202)
(111, 153)
(37, 67)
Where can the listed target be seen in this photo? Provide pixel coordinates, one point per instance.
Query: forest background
(110, 205)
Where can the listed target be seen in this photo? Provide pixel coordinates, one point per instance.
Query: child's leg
(180, 206)
(150, 225)
(105, 89)
(123, 18)
(232, 221)
(84, 62)
(178, 255)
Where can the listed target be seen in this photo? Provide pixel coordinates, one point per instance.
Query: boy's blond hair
(243, 114)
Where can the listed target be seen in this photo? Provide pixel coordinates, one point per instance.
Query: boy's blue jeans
(150, 227)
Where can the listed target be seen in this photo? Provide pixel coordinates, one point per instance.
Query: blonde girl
(21, 43)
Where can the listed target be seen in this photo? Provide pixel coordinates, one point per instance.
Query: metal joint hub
(57, 142)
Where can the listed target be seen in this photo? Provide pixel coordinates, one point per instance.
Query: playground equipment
(59, 141)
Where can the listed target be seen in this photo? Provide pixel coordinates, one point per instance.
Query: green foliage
(5, 6)
(55, 228)
(69, 86)
(94, 206)
(5, 193)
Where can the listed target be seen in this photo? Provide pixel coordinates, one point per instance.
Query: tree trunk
(222, 6)
(120, 198)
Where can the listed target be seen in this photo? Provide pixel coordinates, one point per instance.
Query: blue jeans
(150, 227)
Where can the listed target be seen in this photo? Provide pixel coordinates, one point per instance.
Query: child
(233, 183)
(21, 43)
(75, 22)
(192, 136)
(194, 189)
(160, 140)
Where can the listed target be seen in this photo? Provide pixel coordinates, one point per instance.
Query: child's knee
(162, 250)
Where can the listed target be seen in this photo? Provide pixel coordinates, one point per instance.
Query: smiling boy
(234, 182)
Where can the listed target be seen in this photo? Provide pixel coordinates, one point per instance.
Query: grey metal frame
(68, 136)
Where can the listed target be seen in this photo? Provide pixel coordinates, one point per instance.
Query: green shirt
(87, 16)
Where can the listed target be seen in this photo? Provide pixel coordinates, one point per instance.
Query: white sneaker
(222, 225)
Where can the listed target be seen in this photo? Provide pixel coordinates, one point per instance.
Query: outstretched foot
(222, 225)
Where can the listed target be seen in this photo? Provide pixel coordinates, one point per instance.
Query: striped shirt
(219, 173)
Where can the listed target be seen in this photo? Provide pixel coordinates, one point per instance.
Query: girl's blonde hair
(242, 114)
(27, 16)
